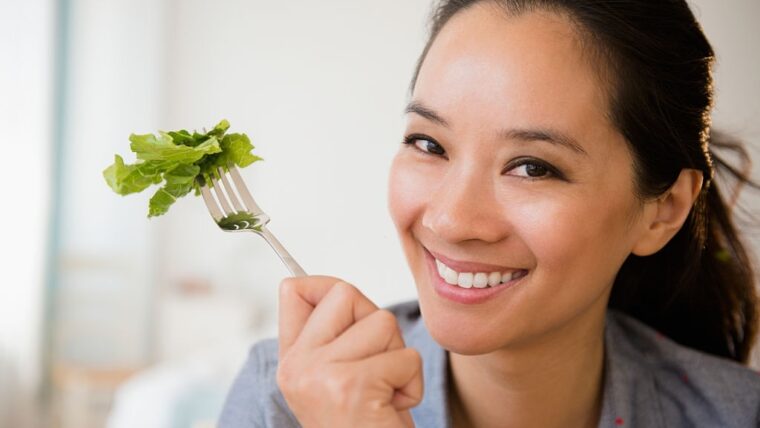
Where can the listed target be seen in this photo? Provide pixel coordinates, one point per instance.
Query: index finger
(298, 298)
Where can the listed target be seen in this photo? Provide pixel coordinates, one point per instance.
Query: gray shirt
(649, 381)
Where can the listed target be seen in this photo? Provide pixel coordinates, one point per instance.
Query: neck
(555, 382)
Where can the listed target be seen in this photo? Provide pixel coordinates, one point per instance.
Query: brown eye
(532, 169)
(425, 144)
(430, 147)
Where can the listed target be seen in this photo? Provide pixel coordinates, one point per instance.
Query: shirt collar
(623, 391)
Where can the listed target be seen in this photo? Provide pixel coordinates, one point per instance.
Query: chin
(460, 333)
(463, 344)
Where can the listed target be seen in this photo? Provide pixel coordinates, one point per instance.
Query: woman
(575, 263)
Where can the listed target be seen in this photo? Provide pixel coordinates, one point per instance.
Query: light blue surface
(60, 93)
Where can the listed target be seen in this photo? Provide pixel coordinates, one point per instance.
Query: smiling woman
(575, 263)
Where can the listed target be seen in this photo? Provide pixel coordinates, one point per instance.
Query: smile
(476, 279)
(470, 282)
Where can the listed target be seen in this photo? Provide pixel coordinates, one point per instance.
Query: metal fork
(233, 216)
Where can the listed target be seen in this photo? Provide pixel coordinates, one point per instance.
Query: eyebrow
(426, 112)
(547, 135)
(527, 135)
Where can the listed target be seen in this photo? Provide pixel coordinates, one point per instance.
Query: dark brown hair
(700, 288)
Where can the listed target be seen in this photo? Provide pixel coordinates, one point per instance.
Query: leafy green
(177, 160)
(240, 221)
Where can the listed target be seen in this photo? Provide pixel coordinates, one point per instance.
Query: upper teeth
(470, 279)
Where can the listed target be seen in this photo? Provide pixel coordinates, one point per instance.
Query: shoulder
(407, 315)
(690, 387)
(416, 335)
(255, 400)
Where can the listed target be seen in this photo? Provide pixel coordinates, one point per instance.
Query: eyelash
(551, 171)
(410, 140)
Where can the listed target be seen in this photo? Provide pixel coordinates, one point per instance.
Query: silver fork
(233, 216)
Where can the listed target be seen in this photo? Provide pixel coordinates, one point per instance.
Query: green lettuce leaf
(235, 150)
(165, 149)
(126, 179)
(176, 159)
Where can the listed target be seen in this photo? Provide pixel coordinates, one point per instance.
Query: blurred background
(108, 319)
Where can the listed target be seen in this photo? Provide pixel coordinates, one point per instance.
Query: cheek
(580, 239)
(406, 192)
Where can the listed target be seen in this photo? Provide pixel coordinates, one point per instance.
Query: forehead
(529, 68)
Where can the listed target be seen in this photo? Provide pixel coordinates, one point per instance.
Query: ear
(665, 215)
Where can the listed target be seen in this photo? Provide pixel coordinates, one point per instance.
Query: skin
(533, 355)
(342, 361)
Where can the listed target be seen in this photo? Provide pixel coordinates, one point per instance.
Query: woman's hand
(342, 361)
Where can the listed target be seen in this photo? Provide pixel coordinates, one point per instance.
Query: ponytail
(700, 290)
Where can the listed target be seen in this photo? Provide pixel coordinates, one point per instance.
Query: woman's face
(512, 170)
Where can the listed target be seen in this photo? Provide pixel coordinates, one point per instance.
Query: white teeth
(470, 279)
(465, 280)
(494, 278)
(480, 281)
(450, 276)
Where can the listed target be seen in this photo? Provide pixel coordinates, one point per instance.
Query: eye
(425, 144)
(532, 169)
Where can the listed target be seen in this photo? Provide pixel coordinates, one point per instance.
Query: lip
(460, 266)
(467, 296)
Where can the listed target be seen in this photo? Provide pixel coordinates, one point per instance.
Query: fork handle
(293, 266)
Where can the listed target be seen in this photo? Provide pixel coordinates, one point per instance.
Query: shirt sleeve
(255, 399)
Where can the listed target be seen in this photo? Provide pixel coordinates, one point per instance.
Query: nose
(465, 207)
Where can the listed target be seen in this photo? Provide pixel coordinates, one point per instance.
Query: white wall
(105, 280)
(26, 42)
(320, 87)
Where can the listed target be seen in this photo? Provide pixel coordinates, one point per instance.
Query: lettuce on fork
(175, 160)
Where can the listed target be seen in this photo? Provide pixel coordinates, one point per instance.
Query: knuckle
(293, 384)
(286, 375)
(343, 292)
(301, 387)
(341, 389)
(415, 357)
(304, 385)
(387, 320)
(284, 380)
(344, 289)
(287, 286)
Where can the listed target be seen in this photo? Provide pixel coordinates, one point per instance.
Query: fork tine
(230, 191)
(242, 223)
(243, 191)
(211, 204)
(221, 197)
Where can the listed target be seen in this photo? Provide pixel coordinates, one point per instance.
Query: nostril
(464, 207)
(457, 225)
